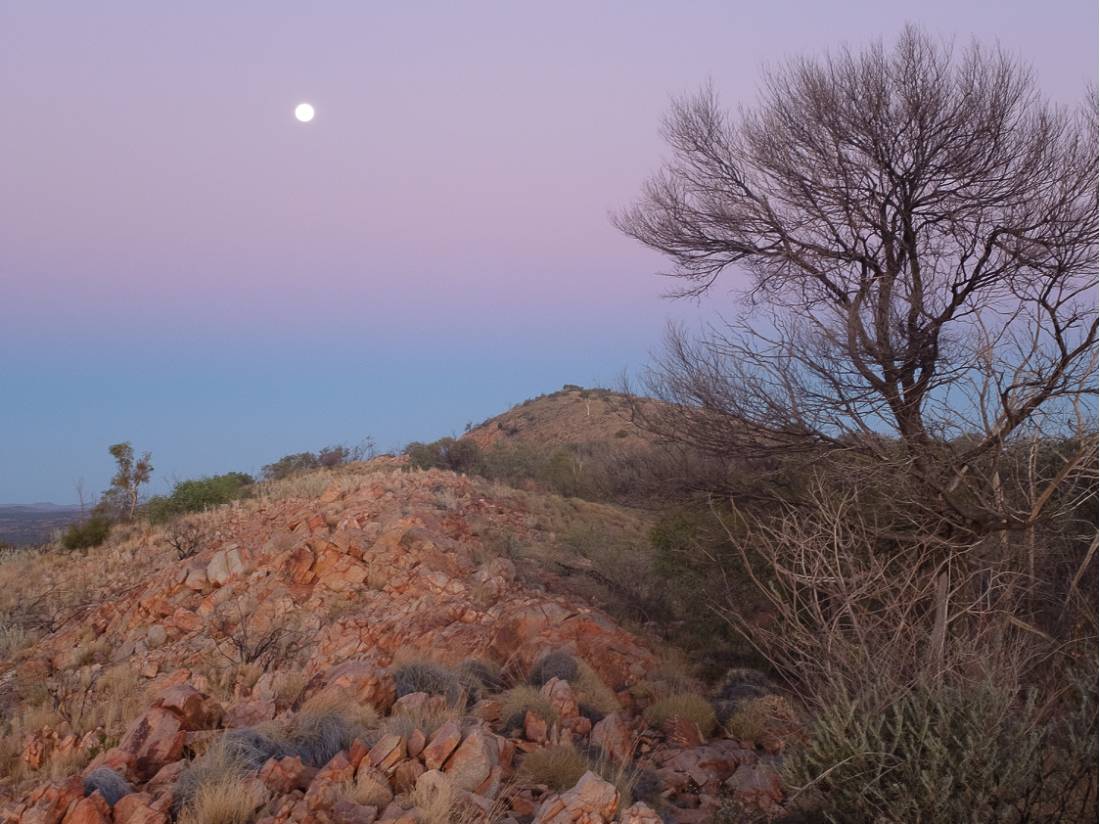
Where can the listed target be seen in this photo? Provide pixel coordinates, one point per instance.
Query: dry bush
(970, 752)
(427, 718)
(559, 767)
(227, 799)
(592, 692)
(370, 788)
(518, 701)
(757, 719)
(687, 706)
(260, 634)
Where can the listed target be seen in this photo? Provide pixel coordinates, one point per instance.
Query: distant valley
(29, 524)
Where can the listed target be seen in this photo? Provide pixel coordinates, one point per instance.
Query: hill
(572, 415)
(358, 645)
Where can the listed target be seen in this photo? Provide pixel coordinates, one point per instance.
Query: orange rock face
(341, 588)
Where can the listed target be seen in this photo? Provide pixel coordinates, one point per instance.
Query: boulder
(91, 810)
(137, 808)
(155, 739)
(640, 813)
(592, 801)
(612, 735)
(471, 764)
(363, 682)
(195, 710)
(387, 753)
(443, 742)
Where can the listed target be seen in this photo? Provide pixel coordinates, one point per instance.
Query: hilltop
(572, 415)
(366, 643)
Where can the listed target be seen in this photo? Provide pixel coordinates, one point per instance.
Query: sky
(185, 266)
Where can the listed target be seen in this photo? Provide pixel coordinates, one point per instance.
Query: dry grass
(336, 702)
(225, 800)
(427, 719)
(592, 691)
(439, 802)
(518, 701)
(369, 788)
(558, 767)
(686, 706)
(770, 716)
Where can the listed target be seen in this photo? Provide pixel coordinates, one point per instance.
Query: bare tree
(920, 230)
(918, 227)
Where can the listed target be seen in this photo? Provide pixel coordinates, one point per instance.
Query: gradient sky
(185, 266)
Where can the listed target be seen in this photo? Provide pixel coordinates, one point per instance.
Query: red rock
(406, 773)
(534, 727)
(249, 713)
(363, 682)
(284, 775)
(756, 785)
(640, 813)
(443, 743)
(49, 804)
(591, 800)
(91, 810)
(387, 753)
(195, 710)
(155, 739)
(474, 759)
(613, 736)
(416, 743)
(136, 808)
(560, 695)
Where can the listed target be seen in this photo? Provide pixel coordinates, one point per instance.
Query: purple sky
(184, 265)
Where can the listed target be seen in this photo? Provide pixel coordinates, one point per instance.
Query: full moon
(304, 112)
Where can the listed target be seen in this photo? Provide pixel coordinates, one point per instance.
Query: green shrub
(457, 455)
(979, 752)
(91, 532)
(291, 465)
(197, 495)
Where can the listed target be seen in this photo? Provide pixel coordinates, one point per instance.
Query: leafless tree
(919, 230)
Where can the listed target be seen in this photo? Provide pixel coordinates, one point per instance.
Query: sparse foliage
(132, 473)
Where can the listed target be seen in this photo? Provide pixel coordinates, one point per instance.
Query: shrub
(968, 753)
(370, 788)
(457, 455)
(316, 735)
(291, 465)
(92, 532)
(556, 664)
(593, 695)
(224, 799)
(109, 783)
(423, 676)
(684, 705)
(760, 718)
(225, 760)
(480, 676)
(516, 702)
(559, 767)
(250, 747)
(197, 495)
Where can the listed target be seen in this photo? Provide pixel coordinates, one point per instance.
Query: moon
(304, 112)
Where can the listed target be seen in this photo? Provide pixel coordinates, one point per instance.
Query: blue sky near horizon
(184, 266)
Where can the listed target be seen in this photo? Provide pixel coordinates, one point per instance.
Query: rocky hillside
(570, 416)
(374, 644)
